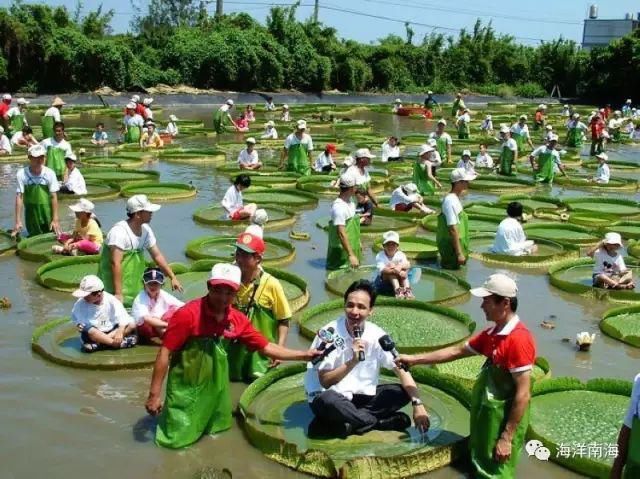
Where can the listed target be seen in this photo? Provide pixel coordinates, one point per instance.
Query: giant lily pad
(323, 184)
(585, 182)
(283, 180)
(96, 191)
(280, 197)
(591, 220)
(500, 184)
(617, 166)
(121, 177)
(37, 248)
(113, 162)
(217, 216)
(414, 325)
(477, 223)
(59, 342)
(623, 324)
(194, 156)
(628, 229)
(7, 242)
(414, 247)
(65, 274)
(222, 248)
(277, 417)
(613, 206)
(548, 252)
(379, 225)
(234, 169)
(160, 191)
(633, 248)
(536, 202)
(563, 233)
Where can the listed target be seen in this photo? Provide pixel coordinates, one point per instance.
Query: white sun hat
(89, 284)
(82, 206)
(140, 203)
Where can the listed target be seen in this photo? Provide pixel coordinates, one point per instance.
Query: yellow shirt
(155, 141)
(92, 231)
(270, 295)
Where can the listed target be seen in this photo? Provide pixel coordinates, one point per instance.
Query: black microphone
(387, 344)
(357, 334)
(338, 342)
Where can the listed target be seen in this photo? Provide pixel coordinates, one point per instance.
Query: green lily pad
(96, 191)
(414, 325)
(628, 229)
(379, 225)
(121, 177)
(535, 202)
(614, 165)
(160, 191)
(234, 169)
(322, 184)
(194, 156)
(37, 248)
(414, 247)
(584, 182)
(477, 223)
(7, 243)
(217, 216)
(112, 162)
(65, 274)
(274, 181)
(58, 341)
(623, 324)
(487, 209)
(564, 233)
(548, 252)
(613, 206)
(633, 248)
(222, 248)
(281, 197)
(591, 220)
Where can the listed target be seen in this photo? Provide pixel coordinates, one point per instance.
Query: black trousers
(362, 412)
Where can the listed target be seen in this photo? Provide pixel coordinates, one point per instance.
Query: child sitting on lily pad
(393, 268)
(609, 270)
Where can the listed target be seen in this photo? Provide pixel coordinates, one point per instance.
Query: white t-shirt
(511, 144)
(76, 182)
(389, 151)
(52, 143)
(543, 149)
(363, 378)
(446, 136)
(399, 197)
(232, 200)
(225, 108)
(269, 106)
(518, 129)
(54, 112)
(464, 118)
(172, 128)
(382, 260)
(484, 161)
(292, 139)
(603, 174)
(607, 264)
(246, 158)
(436, 159)
(46, 177)
(104, 316)
(270, 134)
(121, 236)
(5, 144)
(15, 111)
(487, 125)
(322, 160)
(468, 166)
(577, 124)
(144, 306)
(17, 136)
(285, 116)
(148, 113)
(634, 404)
(100, 136)
(451, 208)
(360, 177)
(135, 120)
(341, 212)
(510, 238)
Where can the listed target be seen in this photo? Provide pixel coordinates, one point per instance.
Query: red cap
(331, 148)
(250, 243)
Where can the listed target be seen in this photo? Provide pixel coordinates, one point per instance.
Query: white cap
(549, 127)
(391, 236)
(505, 129)
(348, 161)
(432, 142)
(260, 217)
(363, 153)
(140, 203)
(173, 118)
(397, 100)
(226, 274)
(601, 110)
(22, 101)
(251, 140)
(82, 206)
(617, 113)
(255, 230)
(149, 123)
(488, 117)
(347, 181)
(410, 188)
(285, 107)
(576, 115)
(566, 106)
(89, 284)
(460, 174)
(628, 100)
(442, 121)
(613, 238)
(135, 98)
(301, 125)
(523, 117)
(466, 153)
(429, 92)
(230, 102)
(131, 106)
(6, 96)
(271, 123)
(602, 156)
(147, 101)
(498, 284)
(36, 151)
(71, 156)
(553, 137)
(542, 106)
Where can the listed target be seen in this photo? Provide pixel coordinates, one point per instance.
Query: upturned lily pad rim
(227, 223)
(405, 226)
(182, 191)
(525, 261)
(531, 228)
(149, 175)
(574, 204)
(626, 165)
(608, 324)
(417, 255)
(515, 184)
(24, 244)
(113, 192)
(614, 227)
(13, 242)
(193, 249)
(127, 162)
(60, 285)
(592, 220)
(615, 183)
(312, 199)
(312, 184)
(502, 214)
(430, 223)
(560, 206)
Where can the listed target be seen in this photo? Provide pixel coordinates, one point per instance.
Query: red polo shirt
(4, 108)
(195, 319)
(512, 349)
(597, 125)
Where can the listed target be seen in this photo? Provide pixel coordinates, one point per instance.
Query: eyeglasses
(96, 293)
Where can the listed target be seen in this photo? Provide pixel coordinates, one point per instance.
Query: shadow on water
(144, 430)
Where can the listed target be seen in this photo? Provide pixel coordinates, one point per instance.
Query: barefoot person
(86, 236)
(610, 270)
(233, 203)
(510, 238)
(393, 268)
(501, 394)
(194, 347)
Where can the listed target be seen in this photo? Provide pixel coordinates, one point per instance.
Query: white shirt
(269, 106)
(17, 136)
(54, 112)
(614, 264)
(382, 260)
(322, 160)
(510, 238)
(633, 409)
(148, 113)
(341, 212)
(389, 151)
(360, 177)
(446, 136)
(225, 108)
(46, 177)
(468, 166)
(52, 143)
(285, 116)
(292, 139)
(144, 306)
(511, 144)
(543, 149)
(396, 107)
(246, 158)
(518, 129)
(363, 378)
(104, 316)
(577, 124)
(465, 118)
(232, 200)
(100, 136)
(436, 159)
(122, 237)
(484, 161)
(76, 182)
(270, 134)
(487, 125)
(451, 208)
(399, 197)
(603, 174)
(5, 144)
(15, 111)
(172, 128)
(135, 120)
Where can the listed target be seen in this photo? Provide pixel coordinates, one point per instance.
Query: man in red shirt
(5, 104)
(597, 127)
(501, 394)
(193, 350)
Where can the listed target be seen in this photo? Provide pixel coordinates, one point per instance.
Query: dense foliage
(46, 49)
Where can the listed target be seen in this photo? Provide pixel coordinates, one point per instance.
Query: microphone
(336, 342)
(387, 344)
(357, 334)
(326, 335)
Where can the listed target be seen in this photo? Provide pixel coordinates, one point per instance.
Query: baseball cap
(504, 129)
(301, 124)
(89, 284)
(429, 92)
(285, 107)
(576, 115)
(391, 236)
(613, 238)
(6, 96)
(425, 149)
(432, 142)
(628, 100)
(397, 100)
(135, 98)
(460, 174)
(542, 106)
(602, 156)
(230, 102)
(255, 230)
(153, 275)
(140, 203)
(411, 188)
(131, 106)
(549, 127)
(499, 284)
(347, 181)
(260, 217)
(225, 274)
(488, 117)
(331, 148)
(442, 121)
(251, 140)
(37, 151)
(147, 101)
(363, 153)
(71, 156)
(250, 243)
(22, 101)
(271, 123)
(82, 206)
(466, 153)
(173, 118)
(523, 117)
(553, 137)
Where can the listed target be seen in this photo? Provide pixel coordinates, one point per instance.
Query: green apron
(197, 399)
(574, 138)
(420, 178)
(133, 134)
(448, 257)
(37, 207)
(298, 160)
(218, 121)
(441, 146)
(47, 126)
(133, 266)
(456, 107)
(337, 257)
(616, 134)
(55, 160)
(521, 140)
(16, 123)
(463, 130)
(491, 402)
(632, 466)
(507, 162)
(545, 169)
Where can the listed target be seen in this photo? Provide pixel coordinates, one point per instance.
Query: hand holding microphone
(327, 338)
(357, 334)
(387, 344)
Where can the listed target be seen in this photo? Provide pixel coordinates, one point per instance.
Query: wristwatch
(416, 402)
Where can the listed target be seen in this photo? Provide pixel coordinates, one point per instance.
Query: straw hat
(57, 101)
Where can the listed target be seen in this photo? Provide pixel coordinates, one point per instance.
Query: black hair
(242, 180)
(361, 191)
(362, 285)
(269, 98)
(513, 302)
(58, 124)
(26, 130)
(514, 209)
(100, 124)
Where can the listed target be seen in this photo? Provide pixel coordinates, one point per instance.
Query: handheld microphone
(357, 334)
(387, 344)
(326, 335)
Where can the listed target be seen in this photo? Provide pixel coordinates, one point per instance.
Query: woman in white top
(510, 238)
(172, 127)
(610, 270)
(487, 125)
(603, 174)
(248, 157)
(391, 150)
(406, 197)
(148, 114)
(484, 160)
(285, 113)
(233, 203)
(72, 182)
(466, 163)
(324, 162)
(270, 132)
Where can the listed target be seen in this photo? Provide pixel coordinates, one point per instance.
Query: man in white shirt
(545, 160)
(344, 248)
(510, 238)
(465, 162)
(324, 162)
(248, 157)
(343, 390)
(406, 197)
(233, 203)
(100, 317)
(443, 141)
(73, 182)
(58, 148)
(603, 174)
(520, 133)
(298, 147)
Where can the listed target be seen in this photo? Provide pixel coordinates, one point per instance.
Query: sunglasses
(96, 293)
